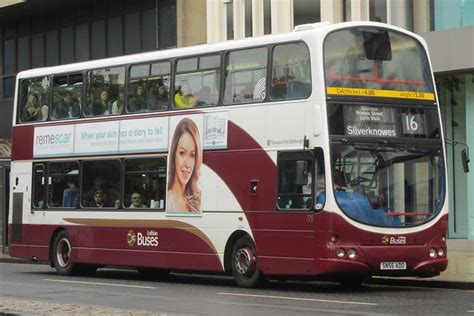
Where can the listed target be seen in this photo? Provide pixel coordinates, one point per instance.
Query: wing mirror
(465, 159)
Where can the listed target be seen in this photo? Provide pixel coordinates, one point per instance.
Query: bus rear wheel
(62, 255)
(244, 263)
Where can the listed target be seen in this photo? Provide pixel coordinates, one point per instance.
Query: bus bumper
(428, 268)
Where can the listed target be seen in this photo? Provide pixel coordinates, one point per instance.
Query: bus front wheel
(244, 263)
(62, 255)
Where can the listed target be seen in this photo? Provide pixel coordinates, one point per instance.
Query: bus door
(35, 188)
(296, 205)
(20, 186)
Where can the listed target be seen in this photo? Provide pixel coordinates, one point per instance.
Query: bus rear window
(373, 58)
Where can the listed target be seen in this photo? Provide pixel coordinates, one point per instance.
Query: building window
(453, 14)
(456, 100)
(346, 10)
(267, 17)
(306, 11)
(378, 11)
(230, 20)
(248, 18)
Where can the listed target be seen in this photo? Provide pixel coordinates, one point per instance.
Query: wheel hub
(245, 261)
(64, 252)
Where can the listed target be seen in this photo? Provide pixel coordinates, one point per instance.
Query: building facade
(447, 26)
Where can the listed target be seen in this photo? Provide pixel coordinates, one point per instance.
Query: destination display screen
(383, 121)
(369, 121)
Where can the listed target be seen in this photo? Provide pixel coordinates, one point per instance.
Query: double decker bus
(316, 154)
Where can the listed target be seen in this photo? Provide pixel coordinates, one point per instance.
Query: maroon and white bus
(313, 154)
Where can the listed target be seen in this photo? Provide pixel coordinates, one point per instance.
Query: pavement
(458, 275)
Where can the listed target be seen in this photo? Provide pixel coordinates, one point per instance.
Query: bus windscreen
(374, 62)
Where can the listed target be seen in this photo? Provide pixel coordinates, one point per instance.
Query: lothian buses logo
(150, 239)
(399, 240)
(131, 238)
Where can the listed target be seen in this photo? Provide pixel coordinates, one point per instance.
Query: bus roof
(301, 32)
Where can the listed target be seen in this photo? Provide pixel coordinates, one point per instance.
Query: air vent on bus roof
(309, 26)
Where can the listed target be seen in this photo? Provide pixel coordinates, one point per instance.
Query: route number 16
(411, 123)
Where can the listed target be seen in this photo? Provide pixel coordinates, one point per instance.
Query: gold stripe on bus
(380, 93)
(144, 223)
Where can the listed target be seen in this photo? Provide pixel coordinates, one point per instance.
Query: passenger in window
(101, 106)
(298, 81)
(158, 96)
(185, 157)
(88, 197)
(137, 102)
(54, 197)
(184, 97)
(32, 111)
(117, 105)
(137, 201)
(100, 200)
(204, 97)
(67, 107)
(71, 194)
(320, 187)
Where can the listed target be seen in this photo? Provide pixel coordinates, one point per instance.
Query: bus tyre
(62, 255)
(244, 263)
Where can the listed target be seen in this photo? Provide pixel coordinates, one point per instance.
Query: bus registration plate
(393, 265)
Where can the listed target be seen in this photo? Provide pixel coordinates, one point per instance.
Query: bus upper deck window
(149, 87)
(291, 73)
(67, 96)
(245, 76)
(104, 91)
(197, 81)
(34, 104)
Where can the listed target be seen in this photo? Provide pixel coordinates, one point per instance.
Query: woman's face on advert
(185, 158)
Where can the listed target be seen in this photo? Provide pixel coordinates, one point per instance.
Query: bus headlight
(441, 252)
(351, 253)
(340, 253)
(433, 253)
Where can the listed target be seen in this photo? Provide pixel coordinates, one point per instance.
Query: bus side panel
(166, 247)
(23, 150)
(284, 241)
